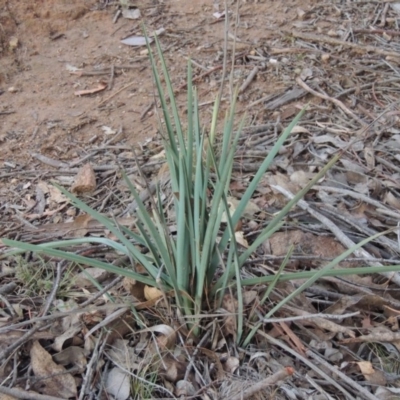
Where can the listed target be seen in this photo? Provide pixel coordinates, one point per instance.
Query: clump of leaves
(200, 167)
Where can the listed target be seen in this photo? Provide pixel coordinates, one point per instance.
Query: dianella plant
(199, 259)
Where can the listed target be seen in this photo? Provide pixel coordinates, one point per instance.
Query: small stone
(325, 57)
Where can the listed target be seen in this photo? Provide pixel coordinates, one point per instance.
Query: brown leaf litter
(338, 339)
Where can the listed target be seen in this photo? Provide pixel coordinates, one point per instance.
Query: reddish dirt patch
(38, 90)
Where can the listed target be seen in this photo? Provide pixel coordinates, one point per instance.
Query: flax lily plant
(202, 258)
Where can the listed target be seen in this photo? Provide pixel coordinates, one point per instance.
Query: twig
(140, 378)
(108, 307)
(7, 304)
(197, 64)
(49, 161)
(310, 316)
(23, 394)
(60, 269)
(332, 100)
(271, 380)
(102, 291)
(318, 258)
(248, 80)
(391, 244)
(340, 236)
(384, 14)
(193, 356)
(117, 92)
(112, 317)
(144, 195)
(94, 357)
(318, 387)
(104, 71)
(304, 360)
(6, 352)
(116, 16)
(338, 42)
(198, 77)
(111, 80)
(336, 371)
(355, 195)
(389, 32)
(146, 110)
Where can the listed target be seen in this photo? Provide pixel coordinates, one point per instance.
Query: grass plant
(202, 259)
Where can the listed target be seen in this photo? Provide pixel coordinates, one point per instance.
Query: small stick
(198, 77)
(310, 316)
(19, 342)
(339, 234)
(117, 92)
(116, 16)
(305, 361)
(384, 14)
(248, 80)
(35, 131)
(94, 359)
(271, 380)
(146, 110)
(111, 80)
(106, 70)
(197, 64)
(60, 269)
(340, 375)
(333, 100)
(338, 42)
(103, 291)
(389, 32)
(23, 394)
(61, 314)
(49, 161)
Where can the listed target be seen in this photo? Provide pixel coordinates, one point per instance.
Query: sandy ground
(42, 42)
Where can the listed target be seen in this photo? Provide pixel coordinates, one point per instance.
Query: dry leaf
(167, 338)
(81, 280)
(118, 384)
(108, 131)
(71, 355)
(135, 288)
(124, 355)
(172, 369)
(55, 381)
(70, 335)
(152, 293)
(85, 181)
(56, 196)
(377, 334)
(131, 13)
(392, 200)
(231, 364)
(249, 296)
(241, 240)
(185, 389)
(249, 211)
(300, 129)
(375, 377)
(369, 155)
(323, 323)
(301, 178)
